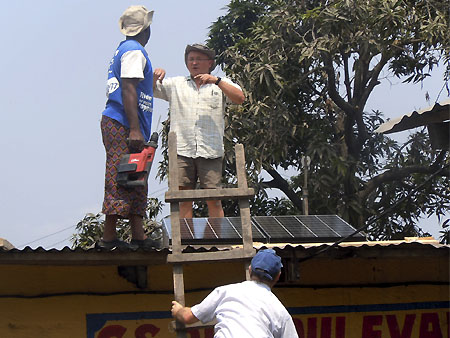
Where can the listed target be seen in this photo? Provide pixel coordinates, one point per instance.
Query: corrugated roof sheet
(440, 112)
(68, 256)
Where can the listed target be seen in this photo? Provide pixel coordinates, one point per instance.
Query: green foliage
(90, 228)
(308, 69)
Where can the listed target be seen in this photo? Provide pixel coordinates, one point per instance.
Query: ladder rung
(234, 254)
(212, 194)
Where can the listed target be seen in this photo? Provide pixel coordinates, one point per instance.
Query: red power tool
(134, 168)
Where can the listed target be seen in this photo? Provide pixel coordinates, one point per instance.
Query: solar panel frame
(272, 232)
(257, 233)
(344, 231)
(317, 226)
(218, 230)
(265, 229)
(296, 232)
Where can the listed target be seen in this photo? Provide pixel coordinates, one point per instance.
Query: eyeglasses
(197, 59)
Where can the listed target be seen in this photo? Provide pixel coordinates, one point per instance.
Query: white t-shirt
(132, 65)
(246, 310)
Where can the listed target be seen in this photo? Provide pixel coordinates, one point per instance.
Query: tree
(90, 228)
(308, 68)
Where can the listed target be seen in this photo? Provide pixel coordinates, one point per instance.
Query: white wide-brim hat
(134, 20)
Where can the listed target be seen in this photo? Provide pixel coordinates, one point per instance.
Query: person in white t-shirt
(247, 309)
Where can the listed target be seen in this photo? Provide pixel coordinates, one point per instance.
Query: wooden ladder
(174, 196)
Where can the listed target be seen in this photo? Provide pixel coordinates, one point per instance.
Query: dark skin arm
(130, 105)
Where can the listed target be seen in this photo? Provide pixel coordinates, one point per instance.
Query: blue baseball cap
(266, 263)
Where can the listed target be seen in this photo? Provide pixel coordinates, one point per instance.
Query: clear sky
(54, 65)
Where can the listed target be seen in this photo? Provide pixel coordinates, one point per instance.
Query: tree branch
(347, 76)
(361, 70)
(332, 91)
(280, 183)
(364, 92)
(374, 74)
(400, 173)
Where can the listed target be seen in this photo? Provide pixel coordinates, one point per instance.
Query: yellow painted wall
(334, 299)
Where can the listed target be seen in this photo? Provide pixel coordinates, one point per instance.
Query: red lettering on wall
(209, 332)
(312, 328)
(141, 331)
(394, 329)
(112, 331)
(299, 327)
(194, 333)
(368, 330)
(429, 326)
(448, 324)
(325, 327)
(340, 327)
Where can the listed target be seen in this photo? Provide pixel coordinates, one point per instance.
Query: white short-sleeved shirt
(132, 64)
(246, 310)
(196, 115)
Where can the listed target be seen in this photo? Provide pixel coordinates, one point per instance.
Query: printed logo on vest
(111, 86)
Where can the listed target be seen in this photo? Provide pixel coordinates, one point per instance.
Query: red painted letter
(112, 331)
(141, 331)
(312, 328)
(448, 324)
(368, 323)
(407, 326)
(194, 333)
(340, 327)
(325, 327)
(429, 326)
(299, 327)
(209, 332)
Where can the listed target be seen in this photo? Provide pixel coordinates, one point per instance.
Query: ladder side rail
(174, 186)
(244, 206)
(178, 275)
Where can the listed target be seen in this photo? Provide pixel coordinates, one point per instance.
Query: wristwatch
(218, 80)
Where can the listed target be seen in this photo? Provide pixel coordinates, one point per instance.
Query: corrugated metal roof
(440, 112)
(68, 256)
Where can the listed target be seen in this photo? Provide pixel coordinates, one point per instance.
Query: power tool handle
(153, 142)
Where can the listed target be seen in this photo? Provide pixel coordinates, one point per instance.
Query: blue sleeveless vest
(114, 105)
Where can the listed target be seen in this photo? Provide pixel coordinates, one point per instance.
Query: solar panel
(227, 230)
(338, 225)
(258, 235)
(301, 228)
(316, 225)
(265, 229)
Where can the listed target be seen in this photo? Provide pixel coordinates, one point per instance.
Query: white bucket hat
(134, 20)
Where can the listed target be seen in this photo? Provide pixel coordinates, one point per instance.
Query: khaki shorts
(207, 171)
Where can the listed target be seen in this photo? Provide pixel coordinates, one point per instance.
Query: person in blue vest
(126, 126)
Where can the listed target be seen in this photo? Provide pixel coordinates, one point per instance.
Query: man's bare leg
(186, 207)
(137, 227)
(215, 208)
(109, 232)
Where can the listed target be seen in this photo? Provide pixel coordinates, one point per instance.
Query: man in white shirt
(197, 105)
(245, 310)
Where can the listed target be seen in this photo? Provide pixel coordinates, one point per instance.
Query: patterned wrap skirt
(119, 200)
